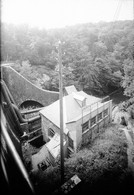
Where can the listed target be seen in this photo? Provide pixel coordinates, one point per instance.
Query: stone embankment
(23, 90)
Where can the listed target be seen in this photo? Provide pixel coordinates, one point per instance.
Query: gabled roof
(50, 148)
(54, 145)
(71, 108)
(70, 89)
(78, 97)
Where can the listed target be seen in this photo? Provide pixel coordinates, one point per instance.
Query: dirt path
(130, 150)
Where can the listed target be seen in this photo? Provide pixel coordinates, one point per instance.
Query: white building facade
(83, 116)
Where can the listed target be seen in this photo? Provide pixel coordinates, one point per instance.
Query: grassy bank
(102, 166)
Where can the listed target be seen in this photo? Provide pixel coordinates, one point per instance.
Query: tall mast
(133, 10)
(61, 112)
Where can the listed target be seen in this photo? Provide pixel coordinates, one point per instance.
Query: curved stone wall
(22, 89)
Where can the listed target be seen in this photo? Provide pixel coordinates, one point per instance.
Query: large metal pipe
(31, 111)
(14, 116)
(15, 155)
(21, 119)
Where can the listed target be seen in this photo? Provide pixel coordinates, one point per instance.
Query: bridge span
(23, 90)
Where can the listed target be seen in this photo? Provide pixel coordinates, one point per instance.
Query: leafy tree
(104, 162)
(93, 55)
(128, 85)
(27, 71)
(128, 79)
(99, 49)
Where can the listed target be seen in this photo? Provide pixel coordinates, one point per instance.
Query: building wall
(90, 134)
(75, 128)
(72, 132)
(94, 131)
(46, 124)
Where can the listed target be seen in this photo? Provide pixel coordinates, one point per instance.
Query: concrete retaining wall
(22, 89)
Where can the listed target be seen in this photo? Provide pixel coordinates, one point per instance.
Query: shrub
(104, 163)
(128, 106)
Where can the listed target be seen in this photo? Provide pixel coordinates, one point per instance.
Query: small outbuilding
(83, 117)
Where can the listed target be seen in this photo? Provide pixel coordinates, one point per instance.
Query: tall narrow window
(99, 117)
(71, 144)
(93, 121)
(105, 112)
(51, 132)
(85, 126)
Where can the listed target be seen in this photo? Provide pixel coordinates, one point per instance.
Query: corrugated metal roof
(71, 108)
(78, 97)
(54, 145)
(50, 148)
(70, 89)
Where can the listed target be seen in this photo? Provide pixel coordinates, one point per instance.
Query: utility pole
(133, 10)
(61, 112)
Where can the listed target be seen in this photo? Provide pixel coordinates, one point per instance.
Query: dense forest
(97, 58)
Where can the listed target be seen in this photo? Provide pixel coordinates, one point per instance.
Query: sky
(60, 13)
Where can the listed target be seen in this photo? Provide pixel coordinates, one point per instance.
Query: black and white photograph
(67, 97)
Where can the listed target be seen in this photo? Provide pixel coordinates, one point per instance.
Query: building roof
(54, 145)
(71, 108)
(78, 97)
(70, 89)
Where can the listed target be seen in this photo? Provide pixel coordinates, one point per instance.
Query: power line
(133, 10)
(117, 11)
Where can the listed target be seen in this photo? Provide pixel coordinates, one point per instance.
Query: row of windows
(94, 120)
(105, 112)
(85, 126)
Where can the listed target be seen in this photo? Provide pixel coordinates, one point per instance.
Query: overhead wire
(117, 11)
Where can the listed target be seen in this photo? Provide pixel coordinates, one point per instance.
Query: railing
(27, 114)
(90, 107)
(31, 111)
(33, 125)
(34, 133)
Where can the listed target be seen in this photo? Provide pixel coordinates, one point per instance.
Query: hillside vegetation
(102, 166)
(95, 56)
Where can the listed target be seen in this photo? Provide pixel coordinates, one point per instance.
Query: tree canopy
(97, 58)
